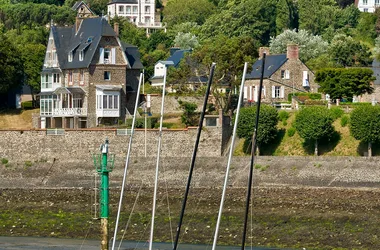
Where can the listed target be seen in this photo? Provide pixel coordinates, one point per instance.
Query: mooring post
(102, 168)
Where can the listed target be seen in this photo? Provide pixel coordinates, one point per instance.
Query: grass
(341, 144)
(17, 119)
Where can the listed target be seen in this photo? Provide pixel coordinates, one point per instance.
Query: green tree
(314, 124)
(310, 46)
(347, 52)
(33, 57)
(366, 28)
(315, 16)
(365, 125)
(253, 18)
(179, 11)
(11, 71)
(286, 15)
(150, 59)
(186, 41)
(189, 117)
(179, 76)
(339, 83)
(229, 54)
(267, 130)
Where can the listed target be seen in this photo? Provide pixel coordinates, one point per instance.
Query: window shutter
(101, 55)
(273, 92)
(305, 79)
(251, 93)
(287, 74)
(264, 92)
(256, 97)
(245, 92)
(282, 92)
(113, 55)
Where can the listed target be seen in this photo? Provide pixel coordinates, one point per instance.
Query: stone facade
(287, 83)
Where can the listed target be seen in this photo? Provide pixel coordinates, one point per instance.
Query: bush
(305, 96)
(314, 102)
(4, 161)
(344, 120)
(150, 122)
(283, 115)
(27, 105)
(291, 131)
(336, 112)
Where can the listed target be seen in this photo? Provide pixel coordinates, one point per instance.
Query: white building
(140, 12)
(367, 5)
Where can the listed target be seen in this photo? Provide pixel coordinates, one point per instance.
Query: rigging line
(194, 155)
(127, 162)
(251, 234)
(158, 161)
(167, 200)
(230, 157)
(253, 151)
(130, 215)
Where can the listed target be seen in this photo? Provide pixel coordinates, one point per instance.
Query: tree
(310, 46)
(252, 18)
(315, 16)
(267, 130)
(349, 53)
(189, 117)
(186, 41)
(313, 124)
(33, 58)
(345, 3)
(150, 59)
(286, 16)
(11, 71)
(365, 125)
(179, 11)
(229, 54)
(339, 83)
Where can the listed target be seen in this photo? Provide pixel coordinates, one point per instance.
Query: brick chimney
(263, 50)
(116, 28)
(292, 51)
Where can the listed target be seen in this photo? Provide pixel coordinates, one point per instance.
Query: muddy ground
(302, 217)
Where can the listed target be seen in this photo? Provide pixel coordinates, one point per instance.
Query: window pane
(116, 101)
(110, 102)
(105, 106)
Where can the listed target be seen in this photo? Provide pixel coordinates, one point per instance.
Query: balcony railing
(69, 111)
(152, 25)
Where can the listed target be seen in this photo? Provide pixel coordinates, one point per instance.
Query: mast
(230, 157)
(253, 151)
(194, 156)
(127, 161)
(158, 161)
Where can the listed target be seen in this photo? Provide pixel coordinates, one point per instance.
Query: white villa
(367, 5)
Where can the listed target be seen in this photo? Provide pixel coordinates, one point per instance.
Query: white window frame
(81, 55)
(56, 78)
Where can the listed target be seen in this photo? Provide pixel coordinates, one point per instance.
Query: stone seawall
(36, 145)
(209, 172)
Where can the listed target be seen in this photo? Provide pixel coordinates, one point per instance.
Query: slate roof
(272, 64)
(87, 40)
(177, 56)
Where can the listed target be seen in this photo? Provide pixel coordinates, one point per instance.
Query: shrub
(291, 131)
(344, 120)
(27, 105)
(28, 164)
(305, 96)
(4, 161)
(150, 122)
(336, 112)
(283, 115)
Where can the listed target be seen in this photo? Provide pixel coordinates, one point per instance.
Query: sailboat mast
(127, 161)
(230, 157)
(253, 151)
(158, 161)
(194, 156)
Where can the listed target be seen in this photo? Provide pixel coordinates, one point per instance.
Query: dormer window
(107, 55)
(81, 55)
(70, 59)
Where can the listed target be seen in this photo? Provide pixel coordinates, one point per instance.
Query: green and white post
(102, 167)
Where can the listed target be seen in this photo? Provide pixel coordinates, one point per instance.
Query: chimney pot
(292, 51)
(116, 28)
(263, 50)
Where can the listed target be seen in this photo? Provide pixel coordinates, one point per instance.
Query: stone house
(89, 75)
(283, 74)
